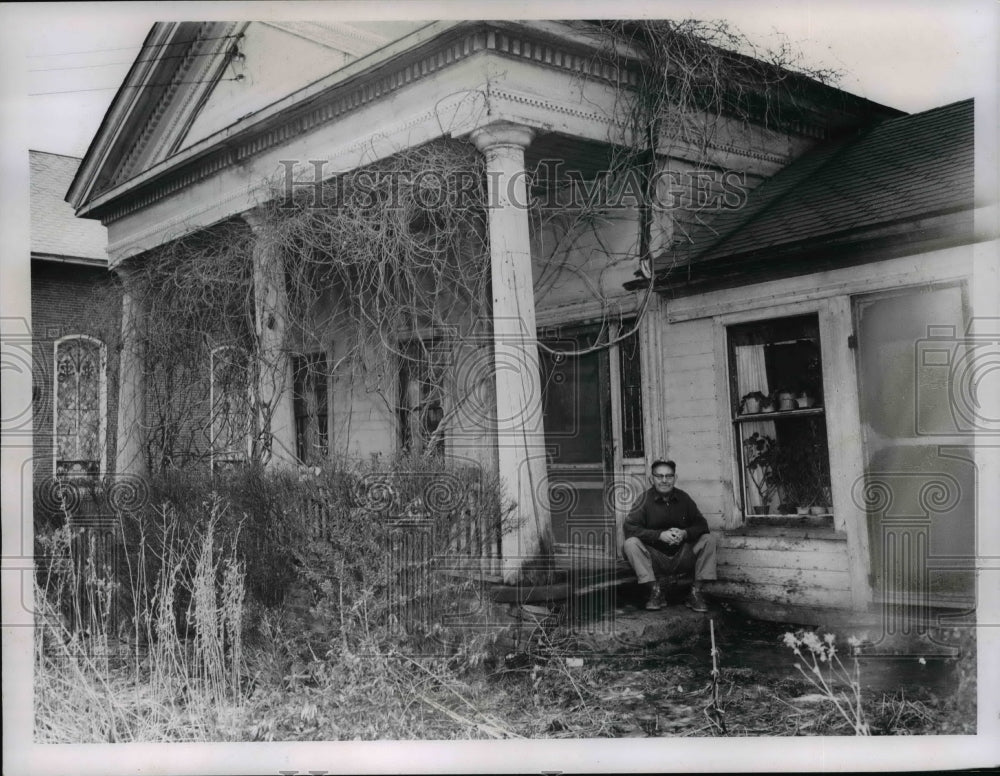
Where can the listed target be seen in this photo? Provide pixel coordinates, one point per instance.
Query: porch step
(579, 584)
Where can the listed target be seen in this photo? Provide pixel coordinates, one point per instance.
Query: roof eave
(113, 120)
(953, 226)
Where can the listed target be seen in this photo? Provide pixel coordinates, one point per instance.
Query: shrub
(384, 549)
(326, 574)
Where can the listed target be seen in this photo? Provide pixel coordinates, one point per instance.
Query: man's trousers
(649, 563)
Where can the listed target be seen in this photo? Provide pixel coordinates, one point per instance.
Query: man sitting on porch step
(666, 534)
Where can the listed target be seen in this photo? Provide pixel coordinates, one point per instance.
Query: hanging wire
(141, 46)
(238, 77)
(112, 64)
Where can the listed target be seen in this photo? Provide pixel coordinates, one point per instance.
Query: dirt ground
(641, 674)
(650, 674)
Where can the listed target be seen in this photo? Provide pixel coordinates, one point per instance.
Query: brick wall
(66, 300)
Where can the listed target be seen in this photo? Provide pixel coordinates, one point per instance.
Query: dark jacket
(654, 513)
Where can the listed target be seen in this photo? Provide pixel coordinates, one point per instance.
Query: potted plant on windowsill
(753, 402)
(785, 400)
(796, 490)
(759, 456)
(822, 502)
(805, 400)
(795, 477)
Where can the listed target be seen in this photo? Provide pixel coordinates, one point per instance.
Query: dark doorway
(576, 401)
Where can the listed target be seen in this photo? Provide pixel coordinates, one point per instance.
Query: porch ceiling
(573, 155)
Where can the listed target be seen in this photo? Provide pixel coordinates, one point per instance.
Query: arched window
(229, 389)
(80, 416)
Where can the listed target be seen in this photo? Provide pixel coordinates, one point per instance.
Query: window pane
(310, 401)
(571, 401)
(231, 407)
(774, 357)
(78, 406)
(894, 331)
(422, 373)
(631, 392)
(912, 359)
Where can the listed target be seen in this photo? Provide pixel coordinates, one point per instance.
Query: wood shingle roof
(899, 170)
(56, 232)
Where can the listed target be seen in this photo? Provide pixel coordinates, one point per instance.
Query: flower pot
(805, 402)
(787, 404)
(767, 408)
(817, 510)
(751, 406)
(802, 511)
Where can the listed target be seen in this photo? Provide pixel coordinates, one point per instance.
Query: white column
(275, 411)
(130, 440)
(520, 432)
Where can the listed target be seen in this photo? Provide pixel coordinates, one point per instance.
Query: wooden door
(576, 402)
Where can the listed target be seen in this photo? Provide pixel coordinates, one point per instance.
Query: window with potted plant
(760, 462)
(782, 456)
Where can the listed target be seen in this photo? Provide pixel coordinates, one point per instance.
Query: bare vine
(388, 269)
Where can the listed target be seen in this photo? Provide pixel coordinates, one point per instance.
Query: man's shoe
(655, 602)
(695, 602)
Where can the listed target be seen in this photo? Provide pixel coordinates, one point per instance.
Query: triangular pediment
(277, 59)
(192, 80)
(178, 64)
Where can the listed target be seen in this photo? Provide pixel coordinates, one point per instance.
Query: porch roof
(130, 164)
(874, 182)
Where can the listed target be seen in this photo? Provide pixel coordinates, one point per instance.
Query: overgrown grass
(362, 637)
(141, 667)
(332, 576)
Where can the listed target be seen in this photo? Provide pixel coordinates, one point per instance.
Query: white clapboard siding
(690, 347)
(702, 407)
(788, 577)
(681, 364)
(785, 569)
(692, 424)
(705, 439)
(810, 560)
(696, 465)
(783, 543)
(693, 385)
(689, 402)
(784, 595)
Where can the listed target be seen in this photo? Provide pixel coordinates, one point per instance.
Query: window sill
(800, 528)
(773, 414)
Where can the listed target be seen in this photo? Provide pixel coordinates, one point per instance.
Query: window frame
(618, 377)
(804, 416)
(326, 434)
(404, 366)
(841, 409)
(214, 458)
(102, 426)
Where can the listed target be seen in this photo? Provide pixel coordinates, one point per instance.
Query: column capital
(253, 218)
(502, 134)
(126, 269)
